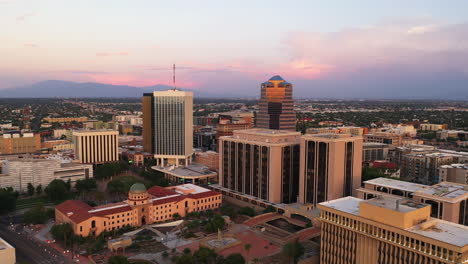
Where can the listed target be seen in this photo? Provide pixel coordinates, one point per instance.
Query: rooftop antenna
(173, 76)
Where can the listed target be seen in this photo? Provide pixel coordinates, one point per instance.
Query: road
(28, 249)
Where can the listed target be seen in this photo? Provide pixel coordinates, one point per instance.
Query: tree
(247, 248)
(85, 185)
(116, 187)
(229, 211)
(39, 189)
(118, 260)
(36, 215)
(215, 223)
(292, 251)
(205, 255)
(56, 190)
(269, 209)
(249, 211)
(187, 251)
(62, 231)
(7, 200)
(68, 184)
(234, 258)
(30, 189)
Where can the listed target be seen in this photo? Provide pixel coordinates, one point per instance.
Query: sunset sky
(362, 48)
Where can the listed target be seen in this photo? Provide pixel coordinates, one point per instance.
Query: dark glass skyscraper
(276, 105)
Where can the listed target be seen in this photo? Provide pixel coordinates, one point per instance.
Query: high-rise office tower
(260, 163)
(331, 167)
(388, 230)
(276, 106)
(96, 146)
(168, 126)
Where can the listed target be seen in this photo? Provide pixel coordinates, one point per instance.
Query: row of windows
(390, 236)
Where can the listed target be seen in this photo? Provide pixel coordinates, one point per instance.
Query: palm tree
(247, 248)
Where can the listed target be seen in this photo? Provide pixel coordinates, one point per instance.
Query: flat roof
(192, 170)
(396, 184)
(187, 187)
(440, 230)
(4, 244)
(449, 191)
(264, 131)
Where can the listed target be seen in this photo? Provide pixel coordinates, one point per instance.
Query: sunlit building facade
(276, 106)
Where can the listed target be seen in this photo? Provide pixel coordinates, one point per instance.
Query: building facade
(457, 173)
(433, 127)
(7, 253)
(168, 126)
(276, 106)
(65, 119)
(261, 164)
(331, 167)
(17, 173)
(374, 151)
(142, 207)
(390, 231)
(96, 146)
(16, 143)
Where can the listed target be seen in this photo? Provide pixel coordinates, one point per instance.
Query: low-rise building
(17, 143)
(191, 173)
(453, 134)
(64, 119)
(18, 172)
(432, 127)
(355, 131)
(156, 204)
(388, 230)
(7, 253)
(96, 146)
(209, 158)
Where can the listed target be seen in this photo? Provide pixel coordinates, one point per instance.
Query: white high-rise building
(168, 126)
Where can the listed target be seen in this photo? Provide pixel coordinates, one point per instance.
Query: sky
(332, 48)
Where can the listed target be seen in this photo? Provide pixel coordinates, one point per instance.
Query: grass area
(30, 202)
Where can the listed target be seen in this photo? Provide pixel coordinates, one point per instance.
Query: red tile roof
(112, 211)
(76, 210)
(203, 194)
(158, 191)
(169, 200)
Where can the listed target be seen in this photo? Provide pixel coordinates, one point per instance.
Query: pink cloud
(31, 45)
(425, 45)
(104, 54)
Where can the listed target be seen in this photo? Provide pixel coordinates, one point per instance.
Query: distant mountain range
(56, 88)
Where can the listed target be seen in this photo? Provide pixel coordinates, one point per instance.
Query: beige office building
(331, 167)
(17, 143)
(389, 231)
(449, 201)
(7, 253)
(18, 172)
(168, 126)
(433, 127)
(64, 119)
(259, 165)
(96, 146)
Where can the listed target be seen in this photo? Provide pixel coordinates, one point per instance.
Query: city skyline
(341, 50)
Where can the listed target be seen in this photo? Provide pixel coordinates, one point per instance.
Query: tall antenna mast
(173, 75)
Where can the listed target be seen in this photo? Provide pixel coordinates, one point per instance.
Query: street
(28, 249)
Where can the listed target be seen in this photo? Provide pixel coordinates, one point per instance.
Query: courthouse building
(142, 207)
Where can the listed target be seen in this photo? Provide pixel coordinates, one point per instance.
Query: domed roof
(138, 188)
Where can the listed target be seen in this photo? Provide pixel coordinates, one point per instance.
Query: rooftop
(276, 78)
(192, 170)
(436, 229)
(448, 191)
(4, 244)
(269, 132)
(396, 184)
